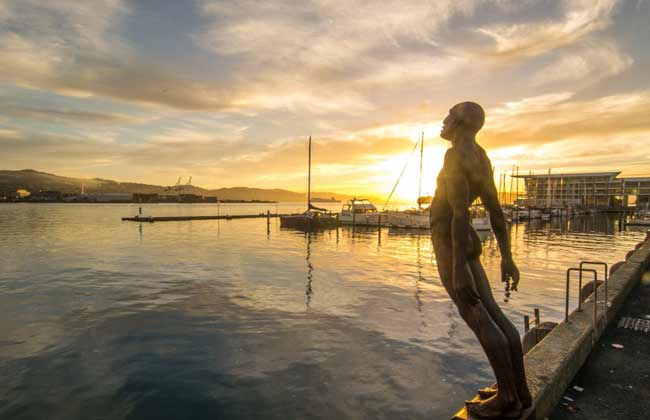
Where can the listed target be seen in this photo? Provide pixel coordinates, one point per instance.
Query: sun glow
(389, 170)
(411, 131)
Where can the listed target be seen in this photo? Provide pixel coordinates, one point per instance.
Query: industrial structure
(602, 190)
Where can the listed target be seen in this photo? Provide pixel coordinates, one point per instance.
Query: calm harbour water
(104, 319)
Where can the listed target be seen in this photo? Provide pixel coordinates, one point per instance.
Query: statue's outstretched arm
(489, 198)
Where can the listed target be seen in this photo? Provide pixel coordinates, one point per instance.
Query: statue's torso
(441, 210)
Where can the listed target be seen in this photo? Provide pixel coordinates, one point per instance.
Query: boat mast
(517, 185)
(309, 178)
(502, 187)
(500, 190)
(548, 190)
(415, 146)
(512, 178)
(421, 156)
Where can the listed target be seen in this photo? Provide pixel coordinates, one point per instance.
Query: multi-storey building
(598, 189)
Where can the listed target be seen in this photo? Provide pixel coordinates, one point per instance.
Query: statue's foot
(488, 391)
(495, 408)
(524, 395)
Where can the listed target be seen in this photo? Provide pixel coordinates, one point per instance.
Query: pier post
(268, 222)
(379, 230)
(537, 320)
(526, 323)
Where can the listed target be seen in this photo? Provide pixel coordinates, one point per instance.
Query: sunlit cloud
(63, 116)
(305, 101)
(584, 65)
(230, 90)
(8, 133)
(554, 117)
(579, 18)
(316, 51)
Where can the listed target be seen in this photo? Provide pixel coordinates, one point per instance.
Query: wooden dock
(152, 219)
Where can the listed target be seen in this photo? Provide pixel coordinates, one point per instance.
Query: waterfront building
(8, 195)
(603, 190)
(22, 193)
(145, 198)
(110, 197)
(168, 198)
(190, 198)
(14, 195)
(49, 195)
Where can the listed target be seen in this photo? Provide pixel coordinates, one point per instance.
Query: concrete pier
(614, 382)
(151, 219)
(553, 363)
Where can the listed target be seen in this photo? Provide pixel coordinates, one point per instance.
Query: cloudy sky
(229, 91)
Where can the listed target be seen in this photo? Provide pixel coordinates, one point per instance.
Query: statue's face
(449, 125)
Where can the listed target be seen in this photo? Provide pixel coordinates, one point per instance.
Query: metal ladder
(580, 269)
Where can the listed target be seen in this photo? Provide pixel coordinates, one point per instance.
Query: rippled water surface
(104, 319)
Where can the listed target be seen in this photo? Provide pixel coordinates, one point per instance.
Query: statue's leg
(506, 402)
(507, 328)
(491, 338)
(444, 260)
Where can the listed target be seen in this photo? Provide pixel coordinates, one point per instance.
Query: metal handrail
(604, 265)
(566, 304)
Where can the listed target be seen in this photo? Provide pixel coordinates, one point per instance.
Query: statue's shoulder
(482, 153)
(453, 156)
(484, 165)
(457, 160)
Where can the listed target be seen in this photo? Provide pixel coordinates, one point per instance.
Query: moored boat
(360, 211)
(315, 217)
(309, 220)
(412, 218)
(480, 218)
(640, 218)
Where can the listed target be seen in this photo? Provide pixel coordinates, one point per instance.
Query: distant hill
(32, 180)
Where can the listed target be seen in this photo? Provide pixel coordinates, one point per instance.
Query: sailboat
(360, 211)
(314, 217)
(419, 218)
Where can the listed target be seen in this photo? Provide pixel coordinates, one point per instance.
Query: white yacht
(641, 217)
(360, 211)
(419, 218)
(480, 218)
(412, 218)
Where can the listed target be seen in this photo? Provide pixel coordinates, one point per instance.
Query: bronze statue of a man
(466, 175)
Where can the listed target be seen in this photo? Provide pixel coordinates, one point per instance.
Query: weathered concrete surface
(616, 382)
(553, 363)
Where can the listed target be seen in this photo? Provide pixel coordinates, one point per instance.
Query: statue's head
(465, 116)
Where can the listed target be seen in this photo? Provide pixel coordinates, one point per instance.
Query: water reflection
(220, 320)
(418, 279)
(310, 269)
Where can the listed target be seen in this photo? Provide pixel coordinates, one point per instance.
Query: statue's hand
(509, 271)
